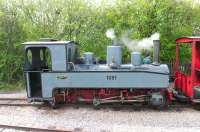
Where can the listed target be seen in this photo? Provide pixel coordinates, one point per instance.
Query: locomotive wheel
(96, 103)
(159, 101)
(53, 104)
(164, 105)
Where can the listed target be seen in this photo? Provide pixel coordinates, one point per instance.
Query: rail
(16, 102)
(22, 128)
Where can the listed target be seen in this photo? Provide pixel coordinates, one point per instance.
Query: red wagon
(187, 67)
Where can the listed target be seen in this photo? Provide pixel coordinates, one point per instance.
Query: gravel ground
(87, 119)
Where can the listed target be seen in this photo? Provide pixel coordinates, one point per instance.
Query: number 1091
(111, 77)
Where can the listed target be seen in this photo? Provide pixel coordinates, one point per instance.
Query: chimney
(156, 50)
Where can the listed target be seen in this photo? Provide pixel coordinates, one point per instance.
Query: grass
(8, 87)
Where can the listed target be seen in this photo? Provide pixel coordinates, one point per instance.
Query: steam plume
(110, 33)
(138, 45)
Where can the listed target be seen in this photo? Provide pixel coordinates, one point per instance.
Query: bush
(86, 22)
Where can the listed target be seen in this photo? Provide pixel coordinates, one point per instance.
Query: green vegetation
(86, 22)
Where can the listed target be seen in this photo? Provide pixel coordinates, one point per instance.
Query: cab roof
(188, 39)
(178, 40)
(47, 42)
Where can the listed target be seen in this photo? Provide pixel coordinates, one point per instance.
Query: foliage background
(86, 22)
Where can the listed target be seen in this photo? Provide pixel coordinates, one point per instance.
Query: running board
(37, 99)
(196, 100)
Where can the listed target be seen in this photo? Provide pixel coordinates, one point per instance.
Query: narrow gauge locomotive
(55, 73)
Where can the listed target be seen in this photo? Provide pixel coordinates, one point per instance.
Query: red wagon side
(187, 72)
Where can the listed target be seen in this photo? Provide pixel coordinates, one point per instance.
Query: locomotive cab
(42, 57)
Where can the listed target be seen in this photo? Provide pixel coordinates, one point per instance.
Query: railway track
(29, 129)
(23, 102)
(16, 102)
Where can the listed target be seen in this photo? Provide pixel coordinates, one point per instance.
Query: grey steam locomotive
(55, 73)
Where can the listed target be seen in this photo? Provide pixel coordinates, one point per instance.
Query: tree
(86, 22)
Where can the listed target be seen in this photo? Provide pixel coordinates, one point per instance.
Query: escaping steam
(110, 33)
(138, 45)
(133, 45)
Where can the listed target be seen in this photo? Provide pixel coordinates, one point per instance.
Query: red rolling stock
(187, 74)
